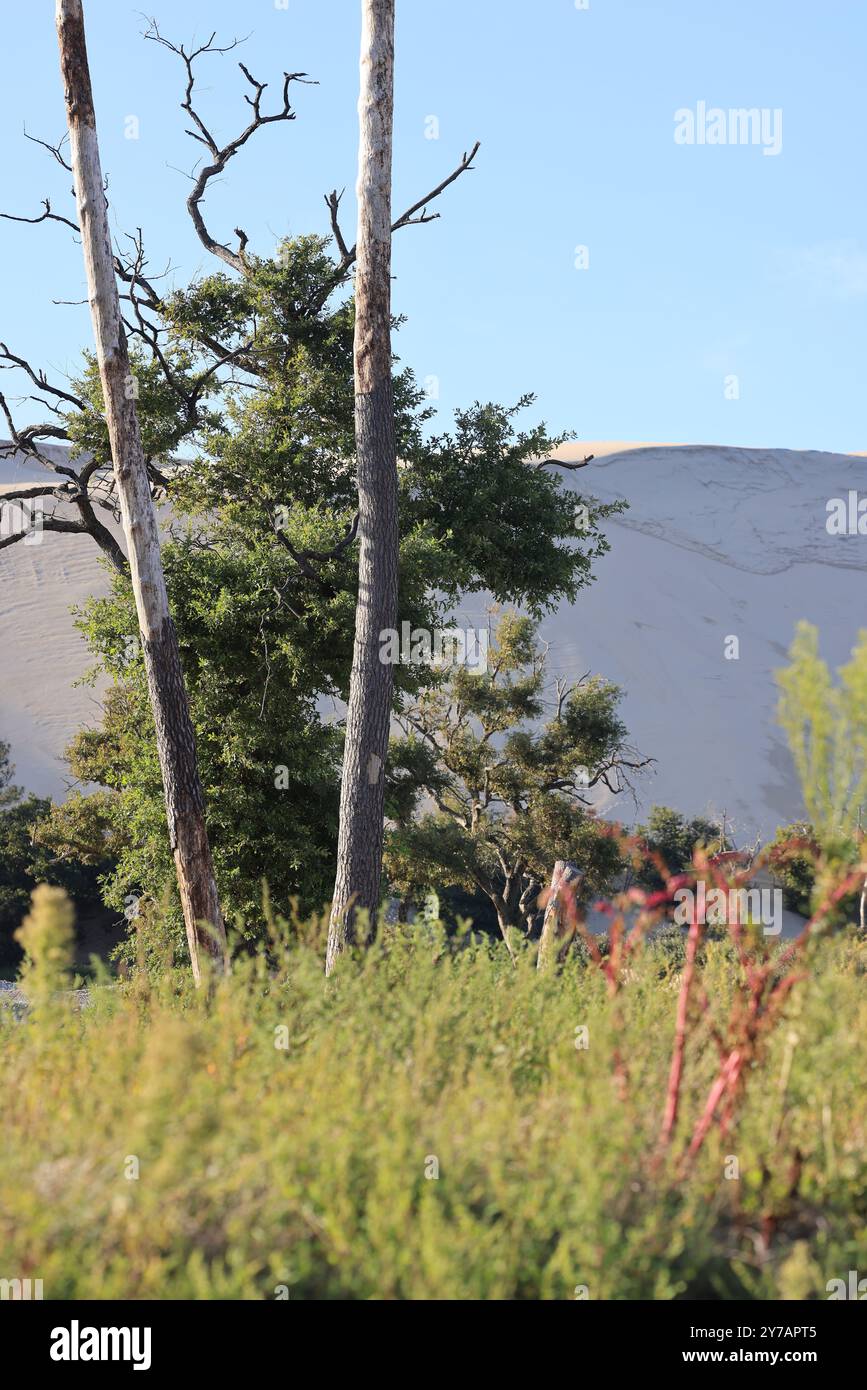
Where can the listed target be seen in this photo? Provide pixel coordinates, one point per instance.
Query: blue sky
(706, 262)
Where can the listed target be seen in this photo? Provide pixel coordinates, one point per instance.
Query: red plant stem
(727, 1080)
(755, 1007)
(675, 1074)
(704, 1005)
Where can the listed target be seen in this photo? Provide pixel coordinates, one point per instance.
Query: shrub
(47, 938)
(26, 860)
(424, 1126)
(669, 835)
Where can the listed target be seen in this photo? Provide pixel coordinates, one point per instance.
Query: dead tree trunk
(359, 852)
(185, 809)
(556, 927)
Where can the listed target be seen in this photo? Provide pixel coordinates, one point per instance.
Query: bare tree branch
(53, 150)
(565, 463)
(38, 377)
(62, 491)
(408, 218)
(100, 533)
(348, 253)
(221, 154)
(332, 202)
(48, 523)
(75, 490)
(46, 216)
(24, 440)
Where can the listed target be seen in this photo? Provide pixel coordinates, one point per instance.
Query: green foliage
(162, 414)
(510, 786)
(807, 868)
(47, 938)
(9, 794)
(26, 860)
(16, 818)
(257, 462)
(268, 763)
(794, 851)
(826, 725)
(503, 526)
(281, 1138)
(17, 879)
(674, 838)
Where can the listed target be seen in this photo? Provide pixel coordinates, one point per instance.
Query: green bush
(279, 1135)
(670, 835)
(25, 861)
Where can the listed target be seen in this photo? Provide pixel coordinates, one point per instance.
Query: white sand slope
(718, 542)
(43, 653)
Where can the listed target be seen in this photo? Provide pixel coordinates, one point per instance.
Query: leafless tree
(359, 853)
(185, 807)
(359, 850)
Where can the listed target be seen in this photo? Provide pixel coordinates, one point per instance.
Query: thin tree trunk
(175, 739)
(555, 922)
(504, 921)
(359, 852)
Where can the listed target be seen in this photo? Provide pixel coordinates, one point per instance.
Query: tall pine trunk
(185, 810)
(359, 853)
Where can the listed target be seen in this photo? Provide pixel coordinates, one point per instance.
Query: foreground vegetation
(427, 1124)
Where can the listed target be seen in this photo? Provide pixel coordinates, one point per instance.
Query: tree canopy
(509, 780)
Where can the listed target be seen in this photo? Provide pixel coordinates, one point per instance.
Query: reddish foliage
(766, 980)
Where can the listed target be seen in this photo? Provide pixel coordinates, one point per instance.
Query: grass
(424, 1126)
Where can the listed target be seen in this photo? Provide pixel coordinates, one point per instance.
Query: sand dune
(44, 655)
(719, 542)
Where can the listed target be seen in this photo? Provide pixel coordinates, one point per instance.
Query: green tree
(16, 820)
(510, 785)
(826, 726)
(674, 838)
(25, 861)
(244, 382)
(261, 573)
(9, 794)
(793, 855)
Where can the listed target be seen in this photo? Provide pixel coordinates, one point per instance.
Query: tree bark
(359, 852)
(528, 908)
(555, 923)
(504, 920)
(185, 809)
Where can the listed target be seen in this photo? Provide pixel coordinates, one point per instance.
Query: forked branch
(221, 154)
(413, 217)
